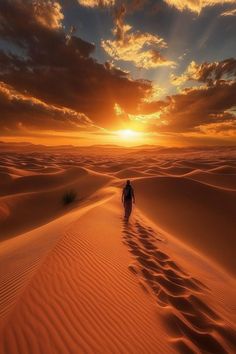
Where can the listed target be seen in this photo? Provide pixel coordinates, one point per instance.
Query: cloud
(131, 5)
(50, 81)
(143, 49)
(208, 73)
(198, 107)
(231, 12)
(58, 70)
(37, 14)
(228, 129)
(97, 3)
(16, 108)
(48, 13)
(196, 5)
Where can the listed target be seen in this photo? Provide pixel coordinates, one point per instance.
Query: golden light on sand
(176, 253)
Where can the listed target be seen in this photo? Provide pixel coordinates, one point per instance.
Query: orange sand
(78, 279)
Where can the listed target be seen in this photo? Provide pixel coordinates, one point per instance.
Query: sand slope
(225, 181)
(22, 209)
(82, 297)
(79, 279)
(201, 215)
(86, 295)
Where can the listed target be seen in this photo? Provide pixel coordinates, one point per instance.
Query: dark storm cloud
(212, 72)
(213, 102)
(59, 70)
(50, 80)
(198, 107)
(20, 112)
(208, 73)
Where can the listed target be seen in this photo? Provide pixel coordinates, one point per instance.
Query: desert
(77, 278)
(117, 177)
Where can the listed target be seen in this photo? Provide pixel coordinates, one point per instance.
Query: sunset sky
(128, 72)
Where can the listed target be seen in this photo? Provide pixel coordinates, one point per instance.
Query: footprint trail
(193, 326)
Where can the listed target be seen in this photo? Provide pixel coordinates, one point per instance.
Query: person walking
(128, 199)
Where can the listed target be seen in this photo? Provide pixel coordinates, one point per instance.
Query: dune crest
(186, 314)
(77, 278)
(201, 215)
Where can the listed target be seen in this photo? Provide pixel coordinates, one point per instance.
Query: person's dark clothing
(128, 193)
(128, 198)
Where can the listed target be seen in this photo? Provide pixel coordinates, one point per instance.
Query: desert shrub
(69, 197)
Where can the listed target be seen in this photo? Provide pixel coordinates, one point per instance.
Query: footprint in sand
(193, 326)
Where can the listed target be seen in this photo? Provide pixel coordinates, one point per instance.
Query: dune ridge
(179, 204)
(185, 312)
(80, 305)
(78, 279)
(21, 205)
(81, 292)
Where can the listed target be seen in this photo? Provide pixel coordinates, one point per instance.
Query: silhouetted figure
(128, 199)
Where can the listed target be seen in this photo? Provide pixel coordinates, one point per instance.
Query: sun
(129, 137)
(127, 133)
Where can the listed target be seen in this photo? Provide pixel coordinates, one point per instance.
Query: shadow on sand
(192, 324)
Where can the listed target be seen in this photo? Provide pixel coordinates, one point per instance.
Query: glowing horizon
(136, 81)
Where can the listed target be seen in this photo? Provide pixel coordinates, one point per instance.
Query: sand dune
(176, 170)
(84, 300)
(43, 181)
(129, 173)
(224, 169)
(79, 279)
(199, 214)
(226, 181)
(24, 209)
(186, 313)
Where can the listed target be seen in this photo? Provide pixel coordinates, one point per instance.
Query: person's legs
(128, 208)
